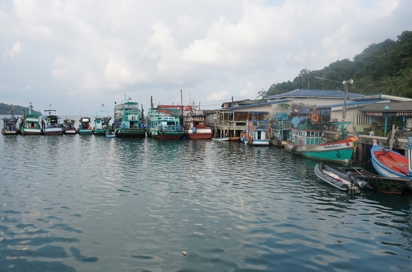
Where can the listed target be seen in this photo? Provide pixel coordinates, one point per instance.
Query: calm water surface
(87, 203)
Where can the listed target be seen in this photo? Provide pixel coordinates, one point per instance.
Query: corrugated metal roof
(356, 103)
(391, 107)
(315, 93)
(254, 105)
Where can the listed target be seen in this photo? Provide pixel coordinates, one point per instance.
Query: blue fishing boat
(128, 121)
(164, 123)
(51, 123)
(85, 127)
(10, 126)
(30, 122)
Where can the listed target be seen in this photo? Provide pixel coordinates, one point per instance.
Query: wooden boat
(10, 126)
(164, 123)
(51, 123)
(256, 130)
(308, 140)
(389, 163)
(85, 127)
(69, 127)
(379, 183)
(30, 122)
(128, 119)
(101, 123)
(196, 125)
(339, 179)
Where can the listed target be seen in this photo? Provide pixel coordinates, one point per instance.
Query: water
(88, 203)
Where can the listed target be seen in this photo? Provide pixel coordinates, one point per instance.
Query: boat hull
(221, 139)
(199, 135)
(339, 179)
(9, 132)
(130, 133)
(53, 131)
(85, 132)
(338, 152)
(70, 132)
(31, 131)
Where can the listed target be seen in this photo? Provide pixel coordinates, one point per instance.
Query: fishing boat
(339, 179)
(101, 123)
(51, 123)
(10, 126)
(30, 122)
(196, 126)
(164, 123)
(128, 119)
(69, 127)
(256, 131)
(390, 163)
(379, 183)
(85, 127)
(307, 139)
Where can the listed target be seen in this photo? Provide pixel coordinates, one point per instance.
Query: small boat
(110, 134)
(30, 122)
(51, 123)
(10, 126)
(389, 163)
(379, 183)
(69, 127)
(85, 128)
(221, 138)
(339, 179)
(164, 123)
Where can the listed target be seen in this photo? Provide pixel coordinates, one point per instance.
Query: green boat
(101, 123)
(85, 127)
(128, 121)
(164, 123)
(307, 140)
(30, 122)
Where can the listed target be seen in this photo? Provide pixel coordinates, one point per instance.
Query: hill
(5, 109)
(384, 68)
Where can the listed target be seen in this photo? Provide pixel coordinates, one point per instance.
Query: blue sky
(78, 55)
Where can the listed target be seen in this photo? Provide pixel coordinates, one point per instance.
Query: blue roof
(315, 93)
(258, 104)
(354, 103)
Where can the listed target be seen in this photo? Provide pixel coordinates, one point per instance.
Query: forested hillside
(384, 68)
(5, 109)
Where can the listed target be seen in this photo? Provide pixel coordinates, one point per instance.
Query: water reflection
(70, 202)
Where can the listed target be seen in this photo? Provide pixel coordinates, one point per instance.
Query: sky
(75, 56)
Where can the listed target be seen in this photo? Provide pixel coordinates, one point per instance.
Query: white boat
(221, 139)
(339, 179)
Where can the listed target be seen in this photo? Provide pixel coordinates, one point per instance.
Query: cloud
(211, 49)
(16, 48)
